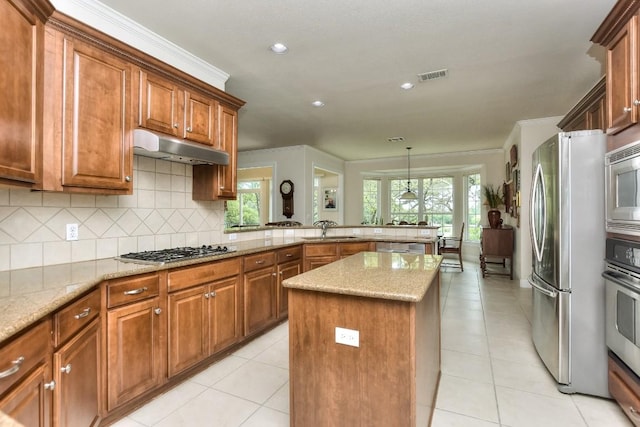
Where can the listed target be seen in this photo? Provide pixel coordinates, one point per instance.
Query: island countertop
(392, 276)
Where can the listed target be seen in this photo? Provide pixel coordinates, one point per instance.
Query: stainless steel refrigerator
(568, 244)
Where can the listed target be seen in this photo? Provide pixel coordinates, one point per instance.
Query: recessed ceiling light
(279, 48)
(318, 104)
(407, 86)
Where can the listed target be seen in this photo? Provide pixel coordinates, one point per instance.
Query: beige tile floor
(491, 374)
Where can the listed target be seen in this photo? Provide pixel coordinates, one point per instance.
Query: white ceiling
(507, 60)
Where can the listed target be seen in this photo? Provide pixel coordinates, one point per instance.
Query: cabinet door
(97, 119)
(188, 334)
(259, 299)
(161, 105)
(318, 261)
(22, 39)
(135, 361)
(621, 84)
(76, 368)
(215, 182)
(200, 119)
(224, 318)
(30, 403)
(286, 271)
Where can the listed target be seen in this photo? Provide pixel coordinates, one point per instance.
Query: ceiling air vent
(395, 139)
(432, 75)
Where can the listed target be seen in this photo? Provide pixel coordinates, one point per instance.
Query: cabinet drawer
(130, 289)
(289, 254)
(185, 277)
(347, 249)
(624, 387)
(325, 249)
(72, 318)
(263, 259)
(21, 355)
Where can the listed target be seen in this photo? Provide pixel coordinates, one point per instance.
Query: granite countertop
(393, 276)
(30, 294)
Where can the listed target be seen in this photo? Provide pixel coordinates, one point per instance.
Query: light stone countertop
(393, 276)
(28, 295)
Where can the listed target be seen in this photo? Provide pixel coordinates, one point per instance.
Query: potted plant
(494, 199)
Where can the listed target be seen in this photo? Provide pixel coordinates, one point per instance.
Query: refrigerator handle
(550, 294)
(537, 245)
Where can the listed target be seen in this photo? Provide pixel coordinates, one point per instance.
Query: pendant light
(408, 195)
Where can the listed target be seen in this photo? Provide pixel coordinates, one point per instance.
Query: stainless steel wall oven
(622, 296)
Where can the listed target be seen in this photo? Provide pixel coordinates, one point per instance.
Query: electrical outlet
(425, 232)
(348, 337)
(72, 232)
(232, 236)
(377, 231)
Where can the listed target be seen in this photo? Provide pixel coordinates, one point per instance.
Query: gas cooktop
(173, 255)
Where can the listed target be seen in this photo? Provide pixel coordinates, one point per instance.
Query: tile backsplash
(158, 215)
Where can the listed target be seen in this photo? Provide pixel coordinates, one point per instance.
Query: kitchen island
(364, 341)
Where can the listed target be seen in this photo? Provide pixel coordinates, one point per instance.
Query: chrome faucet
(324, 225)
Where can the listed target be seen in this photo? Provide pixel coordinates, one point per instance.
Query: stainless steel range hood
(159, 146)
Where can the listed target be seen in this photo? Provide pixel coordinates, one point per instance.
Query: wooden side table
(497, 244)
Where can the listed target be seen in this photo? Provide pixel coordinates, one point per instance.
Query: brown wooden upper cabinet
(590, 112)
(220, 182)
(88, 117)
(618, 33)
(171, 109)
(21, 28)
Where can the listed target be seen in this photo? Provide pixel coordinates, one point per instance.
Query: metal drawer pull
(66, 369)
(633, 412)
(15, 368)
(289, 255)
(135, 291)
(83, 313)
(260, 261)
(157, 310)
(50, 386)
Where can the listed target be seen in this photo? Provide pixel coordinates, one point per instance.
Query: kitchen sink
(330, 238)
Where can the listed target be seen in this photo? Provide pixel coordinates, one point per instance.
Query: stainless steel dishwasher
(401, 247)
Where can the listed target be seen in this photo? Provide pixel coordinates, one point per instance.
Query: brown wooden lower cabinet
(26, 386)
(136, 350)
(76, 367)
(202, 320)
(624, 386)
(259, 299)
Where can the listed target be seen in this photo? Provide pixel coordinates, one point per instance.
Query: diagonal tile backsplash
(158, 215)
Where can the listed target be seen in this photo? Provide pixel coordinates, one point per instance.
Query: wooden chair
(452, 245)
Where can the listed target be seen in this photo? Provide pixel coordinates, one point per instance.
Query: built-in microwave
(622, 191)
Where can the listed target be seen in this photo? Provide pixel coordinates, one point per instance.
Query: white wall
(527, 135)
(296, 163)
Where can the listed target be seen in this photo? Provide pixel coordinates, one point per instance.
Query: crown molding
(120, 27)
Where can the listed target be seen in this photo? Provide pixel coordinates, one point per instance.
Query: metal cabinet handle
(206, 295)
(260, 261)
(212, 294)
(189, 129)
(636, 102)
(175, 125)
(273, 274)
(633, 412)
(83, 313)
(50, 386)
(222, 187)
(626, 110)
(289, 255)
(135, 291)
(66, 369)
(157, 310)
(127, 178)
(13, 369)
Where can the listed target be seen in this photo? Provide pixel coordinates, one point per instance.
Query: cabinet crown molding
(615, 21)
(120, 27)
